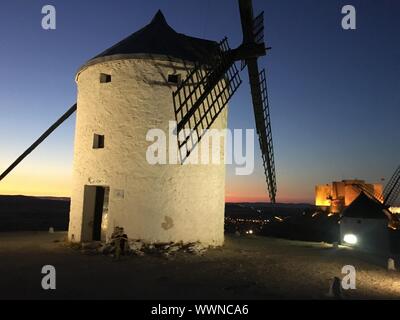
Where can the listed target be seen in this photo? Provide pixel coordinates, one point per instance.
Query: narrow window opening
(98, 141)
(174, 79)
(105, 78)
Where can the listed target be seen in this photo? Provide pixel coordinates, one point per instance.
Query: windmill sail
(258, 28)
(368, 191)
(390, 194)
(202, 96)
(392, 190)
(265, 138)
(49, 131)
(253, 32)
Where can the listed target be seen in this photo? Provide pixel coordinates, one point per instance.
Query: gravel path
(245, 268)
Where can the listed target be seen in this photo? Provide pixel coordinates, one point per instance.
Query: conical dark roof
(365, 207)
(158, 38)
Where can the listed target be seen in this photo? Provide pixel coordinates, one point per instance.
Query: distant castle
(337, 195)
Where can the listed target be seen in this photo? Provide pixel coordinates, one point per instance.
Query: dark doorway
(95, 211)
(98, 213)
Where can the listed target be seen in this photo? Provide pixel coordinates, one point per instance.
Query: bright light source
(350, 239)
(250, 231)
(395, 210)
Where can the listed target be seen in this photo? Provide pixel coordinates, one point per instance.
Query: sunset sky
(335, 94)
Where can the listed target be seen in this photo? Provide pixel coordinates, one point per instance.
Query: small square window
(105, 78)
(98, 141)
(174, 79)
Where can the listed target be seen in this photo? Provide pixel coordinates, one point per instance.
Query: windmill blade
(392, 189)
(258, 28)
(263, 124)
(202, 96)
(247, 19)
(253, 33)
(371, 193)
(255, 37)
(64, 117)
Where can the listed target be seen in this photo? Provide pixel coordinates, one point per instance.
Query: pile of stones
(139, 248)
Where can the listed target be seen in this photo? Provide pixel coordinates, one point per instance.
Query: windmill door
(95, 206)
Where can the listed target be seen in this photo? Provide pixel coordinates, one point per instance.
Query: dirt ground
(245, 268)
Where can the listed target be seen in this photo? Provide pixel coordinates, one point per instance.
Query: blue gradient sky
(335, 94)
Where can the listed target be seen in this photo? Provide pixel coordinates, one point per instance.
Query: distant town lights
(350, 239)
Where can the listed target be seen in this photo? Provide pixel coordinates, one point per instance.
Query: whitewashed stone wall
(154, 203)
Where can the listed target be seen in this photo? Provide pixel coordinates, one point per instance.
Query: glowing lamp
(350, 239)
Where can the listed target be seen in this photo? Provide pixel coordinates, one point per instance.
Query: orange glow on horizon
(262, 198)
(253, 189)
(56, 188)
(35, 185)
(59, 185)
